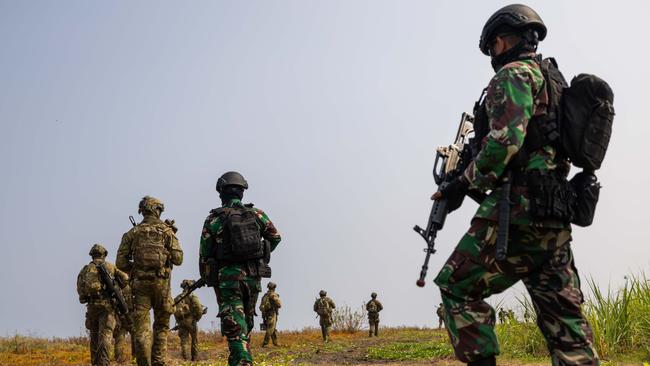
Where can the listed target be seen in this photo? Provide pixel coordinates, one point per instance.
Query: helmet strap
(520, 51)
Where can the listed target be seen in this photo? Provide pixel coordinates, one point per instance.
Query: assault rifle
(114, 291)
(198, 284)
(450, 162)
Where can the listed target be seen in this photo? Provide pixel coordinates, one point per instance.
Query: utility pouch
(257, 268)
(551, 197)
(587, 189)
(209, 271)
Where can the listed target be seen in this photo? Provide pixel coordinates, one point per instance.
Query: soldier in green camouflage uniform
(238, 281)
(122, 328)
(100, 313)
(270, 306)
(324, 307)
(373, 307)
(539, 251)
(148, 252)
(188, 312)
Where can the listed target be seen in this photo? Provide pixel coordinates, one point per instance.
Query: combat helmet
(373, 295)
(98, 251)
(516, 17)
(186, 283)
(231, 179)
(150, 204)
(322, 293)
(271, 285)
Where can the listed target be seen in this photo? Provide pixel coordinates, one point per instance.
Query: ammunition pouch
(551, 196)
(587, 190)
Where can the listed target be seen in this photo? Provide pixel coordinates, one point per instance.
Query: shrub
(347, 320)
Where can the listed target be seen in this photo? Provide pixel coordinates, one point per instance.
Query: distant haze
(330, 109)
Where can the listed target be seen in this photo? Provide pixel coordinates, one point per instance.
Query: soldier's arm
(332, 303)
(123, 259)
(316, 305)
(206, 246)
(269, 232)
(175, 251)
(510, 106)
(80, 284)
(121, 278)
(380, 307)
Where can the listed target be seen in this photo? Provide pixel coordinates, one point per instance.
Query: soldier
(270, 306)
(148, 252)
(440, 311)
(324, 307)
(232, 251)
(122, 327)
(100, 311)
(373, 307)
(188, 312)
(515, 104)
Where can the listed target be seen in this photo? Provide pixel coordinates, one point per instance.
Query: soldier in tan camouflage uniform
(100, 313)
(324, 307)
(148, 252)
(122, 328)
(269, 307)
(441, 315)
(373, 307)
(188, 312)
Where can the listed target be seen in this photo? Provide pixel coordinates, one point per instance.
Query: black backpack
(579, 125)
(242, 236)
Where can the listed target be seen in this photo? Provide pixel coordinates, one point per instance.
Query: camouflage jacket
(213, 235)
(101, 298)
(515, 95)
(270, 303)
(188, 310)
(125, 252)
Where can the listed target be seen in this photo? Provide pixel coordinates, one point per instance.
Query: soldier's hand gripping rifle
(114, 291)
(197, 284)
(450, 162)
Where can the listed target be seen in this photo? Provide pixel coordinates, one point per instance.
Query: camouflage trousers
(151, 294)
(271, 321)
(236, 298)
(373, 322)
(119, 337)
(325, 325)
(542, 259)
(188, 333)
(100, 321)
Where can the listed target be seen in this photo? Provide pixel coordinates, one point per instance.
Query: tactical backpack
(243, 239)
(150, 251)
(579, 124)
(89, 283)
(371, 307)
(323, 307)
(183, 309)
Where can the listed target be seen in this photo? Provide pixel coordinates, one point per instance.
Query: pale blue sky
(332, 111)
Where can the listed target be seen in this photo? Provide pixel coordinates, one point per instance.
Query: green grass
(411, 351)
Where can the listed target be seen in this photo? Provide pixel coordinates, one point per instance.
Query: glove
(454, 193)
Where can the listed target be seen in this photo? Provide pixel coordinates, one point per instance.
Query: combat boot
(488, 361)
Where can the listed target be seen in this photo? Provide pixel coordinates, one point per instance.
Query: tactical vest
(183, 309)
(266, 305)
(242, 238)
